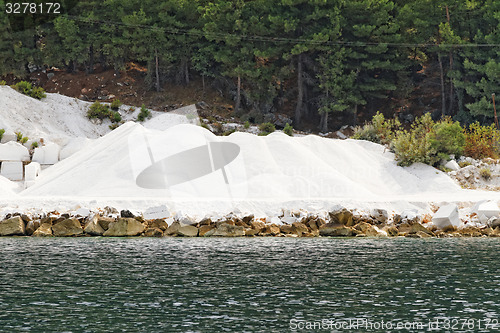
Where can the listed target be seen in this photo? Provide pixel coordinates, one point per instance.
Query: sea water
(249, 285)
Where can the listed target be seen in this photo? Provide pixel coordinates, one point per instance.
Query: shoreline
(337, 223)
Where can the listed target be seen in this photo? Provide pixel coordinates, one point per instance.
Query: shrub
(98, 110)
(2, 131)
(27, 89)
(19, 136)
(449, 139)
(379, 130)
(114, 126)
(266, 128)
(229, 132)
(2, 83)
(482, 141)
(246, 125)
(463, 164)
(416, 145)
(115, 117)
(144, 114)
(288, 130)
(24, 140)
(115, 105)
(34, 145)
(485, 173)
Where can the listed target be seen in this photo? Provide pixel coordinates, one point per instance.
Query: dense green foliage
(2, 132)
(288, 129)
(28, 89)
(115, 104)
(143, 114)
(266, 128)
(102, 111)
(326, 57)
(430, 142)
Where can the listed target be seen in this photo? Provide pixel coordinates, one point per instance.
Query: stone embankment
(338, 223)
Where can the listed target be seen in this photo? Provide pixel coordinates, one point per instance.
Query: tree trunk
(441, 75)
(238, 95)
(186, 72)
(451, 101)
(354, 115)
(300, 93)
(90, 69)
(157, 71)
(323, 125)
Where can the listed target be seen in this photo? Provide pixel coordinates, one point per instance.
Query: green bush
(27, 89)
(449, 139)
(288, 130)
(24, 140)
(19, 136)
(379, 130)
(482, 141)
(98, 110)
(2, 131)
(115, 105)
(2, 83)
(266, 128)
(34, 145)
(115, 117)
(485, 173)
(144, 114)
(246, 125)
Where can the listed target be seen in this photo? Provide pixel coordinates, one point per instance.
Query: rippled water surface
(243, 285)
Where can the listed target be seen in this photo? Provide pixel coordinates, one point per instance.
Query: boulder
(335, 229)
(153, 232)
(488, 209)
(227, 230)
(31, 171)
(300, 228)
(8, 136)
(452, 165)
(157, 212)
(12, 226)
(204, 229)
(287, 229)
(413, 228)
(251, 232)
(12, 170)
(66, 228)
(257, 225)
(187, 231)
(494, 222)
(124, 227)
(380, 215)
(446, 216)
(392, 231)
(44, 230)
(14, 151)
(270, 230)
(158, 223)
(31, 226)
(47, 155)
(341, 216)
(93, 227)
(172, 229)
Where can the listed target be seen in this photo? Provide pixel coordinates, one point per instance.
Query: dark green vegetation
(26, 88)
(318, 57)
(431, 142)
(102, 111)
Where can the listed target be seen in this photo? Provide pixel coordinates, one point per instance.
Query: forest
(323, 57)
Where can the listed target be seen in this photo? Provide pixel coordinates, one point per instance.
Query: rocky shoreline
(338, 223)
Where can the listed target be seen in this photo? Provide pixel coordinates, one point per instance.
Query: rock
(126, 213)
(270, 230)
(47, 155)
(392, 231)
(342, 216)
(157, 212)
(300, 228)
(31, 171)
(453, 165)
(187, 231)
(369, 230)
(14, 151)
(488, 209)
(226, 230)
(494, 222)
(13, 226)
(205, 221)
(12, 170)
(172, 229)
(257, 225)
(124, 227)
(44, 230)
(251, 232)
(153, 232)
(413, 228)
(335, 229)
(82, 212)
(159, 223)
(66, 228)
(93, 227)
(248, 218)
(202, 230)
(380, 215)
(104, 222)
(242, 224)
(31, 226)
(287, 229)
(110, 211)
(446, 216)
